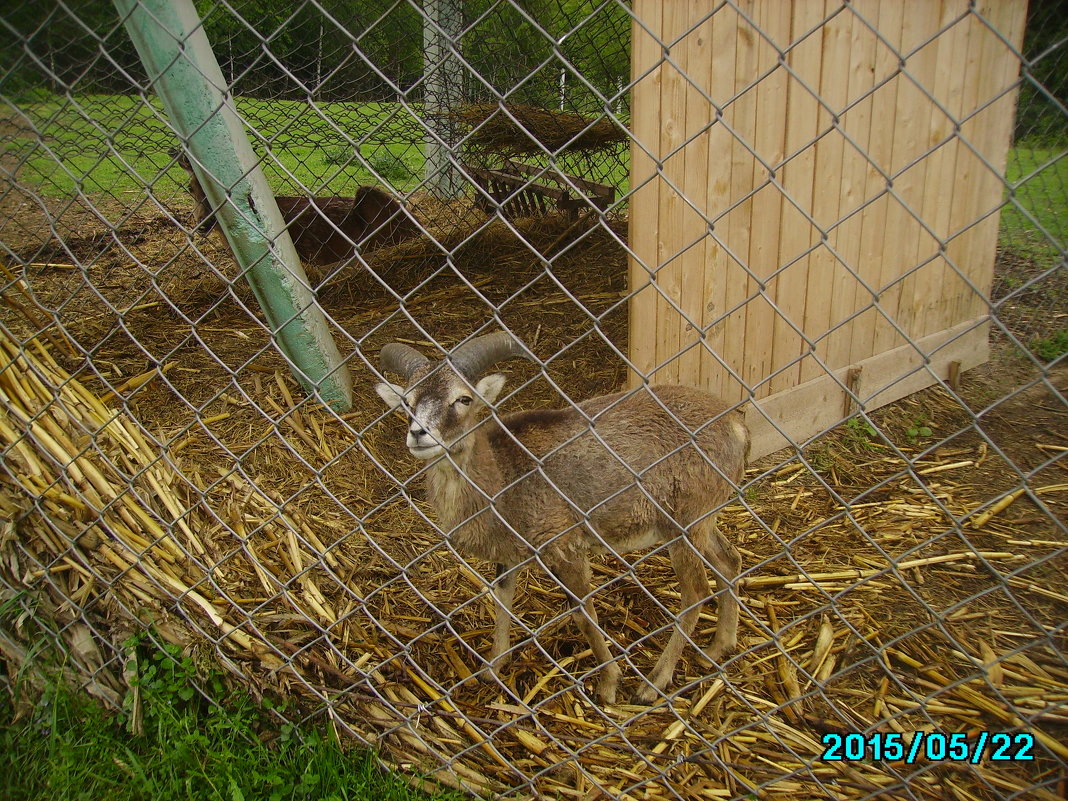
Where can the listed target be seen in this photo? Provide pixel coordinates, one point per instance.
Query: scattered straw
(245, 523)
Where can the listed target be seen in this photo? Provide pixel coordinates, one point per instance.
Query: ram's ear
(392, 394)
(490, 387)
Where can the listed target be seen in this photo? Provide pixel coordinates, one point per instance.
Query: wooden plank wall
(816, 187)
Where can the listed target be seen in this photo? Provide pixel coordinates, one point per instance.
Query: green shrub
(341, 156)
(1052, 347)
(389, 166)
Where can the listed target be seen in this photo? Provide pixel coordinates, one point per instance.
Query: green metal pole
(182, 69)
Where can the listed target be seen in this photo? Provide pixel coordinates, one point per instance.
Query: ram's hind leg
(693, 586)
(726, 564)
(574, 575)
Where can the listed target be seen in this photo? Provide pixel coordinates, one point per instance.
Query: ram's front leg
(503, 592)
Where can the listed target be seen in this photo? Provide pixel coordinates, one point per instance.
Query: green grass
(117, 145)
(1052, 347)
(67, 747)
(124, 143)
(1038, 180)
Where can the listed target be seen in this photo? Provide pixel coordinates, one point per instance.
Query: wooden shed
(817, 188)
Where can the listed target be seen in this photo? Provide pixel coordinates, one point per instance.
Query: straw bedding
(242, 520)
(517, 129)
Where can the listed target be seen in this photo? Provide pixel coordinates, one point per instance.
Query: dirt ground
(913, 591)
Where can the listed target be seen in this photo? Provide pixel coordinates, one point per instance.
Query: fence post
(442, 92)
(182, 69)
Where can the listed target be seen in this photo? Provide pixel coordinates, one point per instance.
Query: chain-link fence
(902, 566)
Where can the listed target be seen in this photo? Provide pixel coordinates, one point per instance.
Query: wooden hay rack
(523, 190)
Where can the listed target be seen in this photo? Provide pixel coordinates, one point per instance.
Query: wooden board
(790, 418)
(646, 70)
(797, 178)
(769, 143)
(816, 185)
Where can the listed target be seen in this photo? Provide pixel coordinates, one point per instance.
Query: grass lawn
(63, 746)
(116, 144)
(1037, 212)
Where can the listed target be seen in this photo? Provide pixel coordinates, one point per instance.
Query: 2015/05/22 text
(930, 746)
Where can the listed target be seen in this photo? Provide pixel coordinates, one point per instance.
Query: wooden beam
(815, 406)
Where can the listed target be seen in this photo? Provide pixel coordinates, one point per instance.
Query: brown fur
(616, 473)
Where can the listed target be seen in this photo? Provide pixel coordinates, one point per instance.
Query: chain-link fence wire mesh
(346, 84)
(1029, 266)
(902, 571)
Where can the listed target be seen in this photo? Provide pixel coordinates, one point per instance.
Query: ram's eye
(464, 399)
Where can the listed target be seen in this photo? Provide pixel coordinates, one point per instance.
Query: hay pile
(242, 521)
(516, 129)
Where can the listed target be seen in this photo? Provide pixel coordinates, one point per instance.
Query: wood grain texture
(817, 185)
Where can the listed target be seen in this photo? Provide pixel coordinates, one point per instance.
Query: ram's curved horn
(401, 359)
(473, 358)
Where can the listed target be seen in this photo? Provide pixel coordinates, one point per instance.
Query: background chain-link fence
(903, 570)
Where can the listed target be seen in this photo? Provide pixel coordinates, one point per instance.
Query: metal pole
(183, 70)
(443, 93)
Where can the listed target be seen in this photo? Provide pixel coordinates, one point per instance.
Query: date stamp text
(936, 746)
